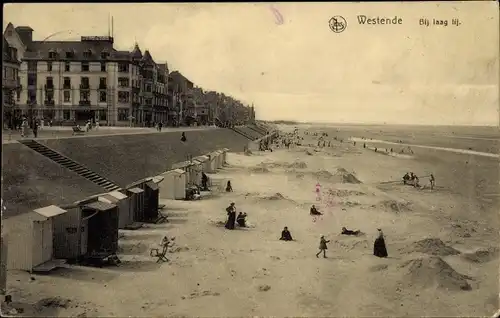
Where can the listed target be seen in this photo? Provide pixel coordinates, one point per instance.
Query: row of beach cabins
(48, 237)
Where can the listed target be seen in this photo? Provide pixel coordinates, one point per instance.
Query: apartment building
(154, 84)
(10, 82)
(69, 81)
(180, 97)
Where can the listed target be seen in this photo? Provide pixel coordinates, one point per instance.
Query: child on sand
(322, 246)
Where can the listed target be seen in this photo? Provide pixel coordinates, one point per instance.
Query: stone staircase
(239, 131)
(70, 164)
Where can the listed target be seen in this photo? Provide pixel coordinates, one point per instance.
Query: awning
(135, 190)
(50, 211)
(100, 206)
(158, 179)
(153, 186)
(118, 195)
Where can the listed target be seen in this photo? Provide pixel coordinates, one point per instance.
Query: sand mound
(432, 271)
(396, 206)
(347, 177)
(323, 175)
(344, 193)
(482, 255)
(432, 246)
(259, 169)
(298, 165)
(276, 196)
(293, 165)
(309, 153)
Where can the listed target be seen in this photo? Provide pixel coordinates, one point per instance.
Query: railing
(49, 87)
(49, 102)
(84, 86)
(84, 103)
(103, 86)
(67, 87)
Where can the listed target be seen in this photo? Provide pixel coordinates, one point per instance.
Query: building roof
(163, 67)
(147, 58)
(177, 77)
(6, 52)
(136, 52)
(22, 32)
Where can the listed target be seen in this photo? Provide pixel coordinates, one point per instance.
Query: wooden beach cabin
(219, 159)
(173, 186)
(123, 202)
(136, 196)
(205, 163)
(88, 232)
(224, 156)
(31, 245)
(213, 161)
(152, 201)
(3, 264)
(187, 167)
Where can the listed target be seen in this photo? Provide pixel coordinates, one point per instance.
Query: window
(102, 96)
(32, 66)
(103, 67)
(123, 97)
(50, 82)
(123, 67)
(85, 67)
(70, 54)
(67, 83)
(104, 55)
(66, 115)
(148, 88)
(123, 114)
(31, 80)
(102, 82)
(85, 96)
(87, 54)
(84, 82)
(18, 93)
(50, 96)
(52, 55)
(49, 66)
(102, 115)
(123, 81)
(66, 66)
(67, 96)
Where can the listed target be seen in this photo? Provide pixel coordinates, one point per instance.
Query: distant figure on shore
(364, 145)
(329, 144)
(97, 125)
(314, 211)
(286, 235)
(241, 219)
(433, 181)
(231, 216)
(406, 178)
(354, 143)
(35, 128)
(345, 231)
(392, 150)
(322, 246)
(375, 149)
(204, 181)
(160, 125)
(24, 128)
(379, 248)
(183, 137)
(229, 187)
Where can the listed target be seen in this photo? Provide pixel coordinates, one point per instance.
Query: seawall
(32, 181)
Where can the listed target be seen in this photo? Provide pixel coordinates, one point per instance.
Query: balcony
(10, 83)
(84, 103)
(103, 86)
(66, 86)
(84, 86)
(49, 102)
(31, 102)
(49, 87)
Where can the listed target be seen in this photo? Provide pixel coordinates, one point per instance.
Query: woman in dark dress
(379, 248)
(231, 217)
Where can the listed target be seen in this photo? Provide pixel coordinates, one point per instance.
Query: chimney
(25, 33)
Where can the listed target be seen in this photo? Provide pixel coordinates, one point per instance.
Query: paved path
(67, 132)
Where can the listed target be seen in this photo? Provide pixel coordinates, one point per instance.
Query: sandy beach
(443, 257)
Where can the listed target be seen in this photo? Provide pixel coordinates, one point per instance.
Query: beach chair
(155, 252)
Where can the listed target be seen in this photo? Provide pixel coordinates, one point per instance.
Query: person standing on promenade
(231, 217)
(322, 246)
(433, 181)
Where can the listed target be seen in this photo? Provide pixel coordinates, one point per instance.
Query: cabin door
(37, 244)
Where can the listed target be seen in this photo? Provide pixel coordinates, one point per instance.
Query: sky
(292, 66)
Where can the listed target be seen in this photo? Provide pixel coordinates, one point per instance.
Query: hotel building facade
(68, 81)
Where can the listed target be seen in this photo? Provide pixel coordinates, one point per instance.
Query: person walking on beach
(379, 248)
(35, 128)
(322, 246)
(231, 216)
(432, 180)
